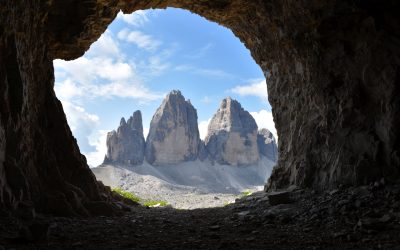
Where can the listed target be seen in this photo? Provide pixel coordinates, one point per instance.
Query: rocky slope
(127, 145)
(188, 185)
(174, 134)
(232, 135)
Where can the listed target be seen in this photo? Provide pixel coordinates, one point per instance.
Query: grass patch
(151, 203)
(133, 197)
(126, 194)
(246, 193)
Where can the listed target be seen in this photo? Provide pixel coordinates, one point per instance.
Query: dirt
(366, 217)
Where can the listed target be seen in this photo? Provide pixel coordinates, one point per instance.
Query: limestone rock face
(267, 144)
(203, 153)
(174, 134)
(232, 135)
(127, 145)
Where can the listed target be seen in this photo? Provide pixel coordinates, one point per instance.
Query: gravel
(189, 185)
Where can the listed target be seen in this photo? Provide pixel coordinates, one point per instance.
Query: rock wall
(267, 144)
(40, 162)
(127, 145)
(174, 133)
(332, 69)
(232, 135)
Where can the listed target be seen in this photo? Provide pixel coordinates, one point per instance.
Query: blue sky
(143, 56)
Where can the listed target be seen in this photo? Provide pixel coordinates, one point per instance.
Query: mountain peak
(126, 145)
(232, 135)
(122, 122)
(174, 133)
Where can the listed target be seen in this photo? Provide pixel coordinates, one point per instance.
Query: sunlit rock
(232, 135)
(174, 133)
(126, 145)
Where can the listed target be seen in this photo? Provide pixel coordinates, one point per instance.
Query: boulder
(232, 135)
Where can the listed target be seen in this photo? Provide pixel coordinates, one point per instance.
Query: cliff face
(267, 144)
(333, 81)
(174, 134)
(127, 145)
(173, 138)
(232, 135)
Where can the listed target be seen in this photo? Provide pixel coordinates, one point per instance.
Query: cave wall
(40, 162)
(332, 70)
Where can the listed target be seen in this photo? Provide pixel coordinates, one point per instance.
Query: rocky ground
(188, 185)
(366, 217)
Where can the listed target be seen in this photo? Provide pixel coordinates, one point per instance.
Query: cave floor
(366, 217)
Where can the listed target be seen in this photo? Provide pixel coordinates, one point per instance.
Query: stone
(277, 198)
(232, 135)
(214, 227)
(174, 134)
(97, 208)
(267, 144)
(127, 144)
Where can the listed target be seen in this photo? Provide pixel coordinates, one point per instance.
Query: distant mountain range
(233, 137)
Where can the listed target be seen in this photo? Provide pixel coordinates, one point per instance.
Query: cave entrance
(134, 65)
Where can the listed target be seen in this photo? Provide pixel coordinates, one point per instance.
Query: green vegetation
(246, 193)
(226, 204)
(151, 203)
(133, 197)
(127, 195)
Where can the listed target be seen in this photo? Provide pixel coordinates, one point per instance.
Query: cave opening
(141, 59)
(333, 79)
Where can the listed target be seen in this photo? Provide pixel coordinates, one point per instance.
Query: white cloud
(140, 39)
(203, 128)
(264, 119)
(105, 46)
(204, 71)
(255, 88)
(82, 123)
(85, 70)
(138, 18)
(78, 116)
(98, 141)
(68, 91)
(103, 77)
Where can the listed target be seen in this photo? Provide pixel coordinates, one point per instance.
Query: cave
(332, 69)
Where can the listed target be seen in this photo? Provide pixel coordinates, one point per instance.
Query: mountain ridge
(233, 137)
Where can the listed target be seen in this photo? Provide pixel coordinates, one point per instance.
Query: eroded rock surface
(174, 134)
(127, 145)
(232, 135)
(267, 144)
